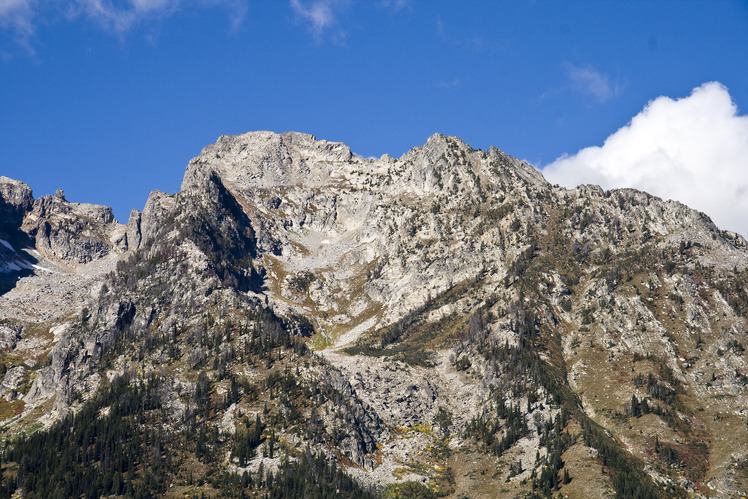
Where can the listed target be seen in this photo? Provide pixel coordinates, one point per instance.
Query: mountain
(298, 321)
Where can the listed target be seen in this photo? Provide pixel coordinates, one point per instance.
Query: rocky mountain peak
(267, 159)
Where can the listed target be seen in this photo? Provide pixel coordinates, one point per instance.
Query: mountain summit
(300, 321)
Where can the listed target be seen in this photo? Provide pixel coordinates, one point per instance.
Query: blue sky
(109, 99)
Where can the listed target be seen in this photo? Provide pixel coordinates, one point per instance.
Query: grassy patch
(408, 490)
(11, 409)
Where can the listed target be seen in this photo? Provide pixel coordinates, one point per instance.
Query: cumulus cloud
(693, 150)
(589, 81)
(321, 15)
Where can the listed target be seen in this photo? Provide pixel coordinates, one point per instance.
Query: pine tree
(567, 478)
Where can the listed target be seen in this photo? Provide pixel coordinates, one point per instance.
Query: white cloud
(122, 19)
(589, 81)
(237, 10)
(396, 4)
(21, 16)
(453, 83)
(16, 13)
(320, 14)
(441, 31)
(693, 150)
(18, 17)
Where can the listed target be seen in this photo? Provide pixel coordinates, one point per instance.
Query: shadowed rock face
(15, 201)
(457, 301)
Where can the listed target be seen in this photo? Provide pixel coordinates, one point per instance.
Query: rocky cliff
(443, 323)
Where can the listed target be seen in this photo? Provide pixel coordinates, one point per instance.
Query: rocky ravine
(457, 302)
